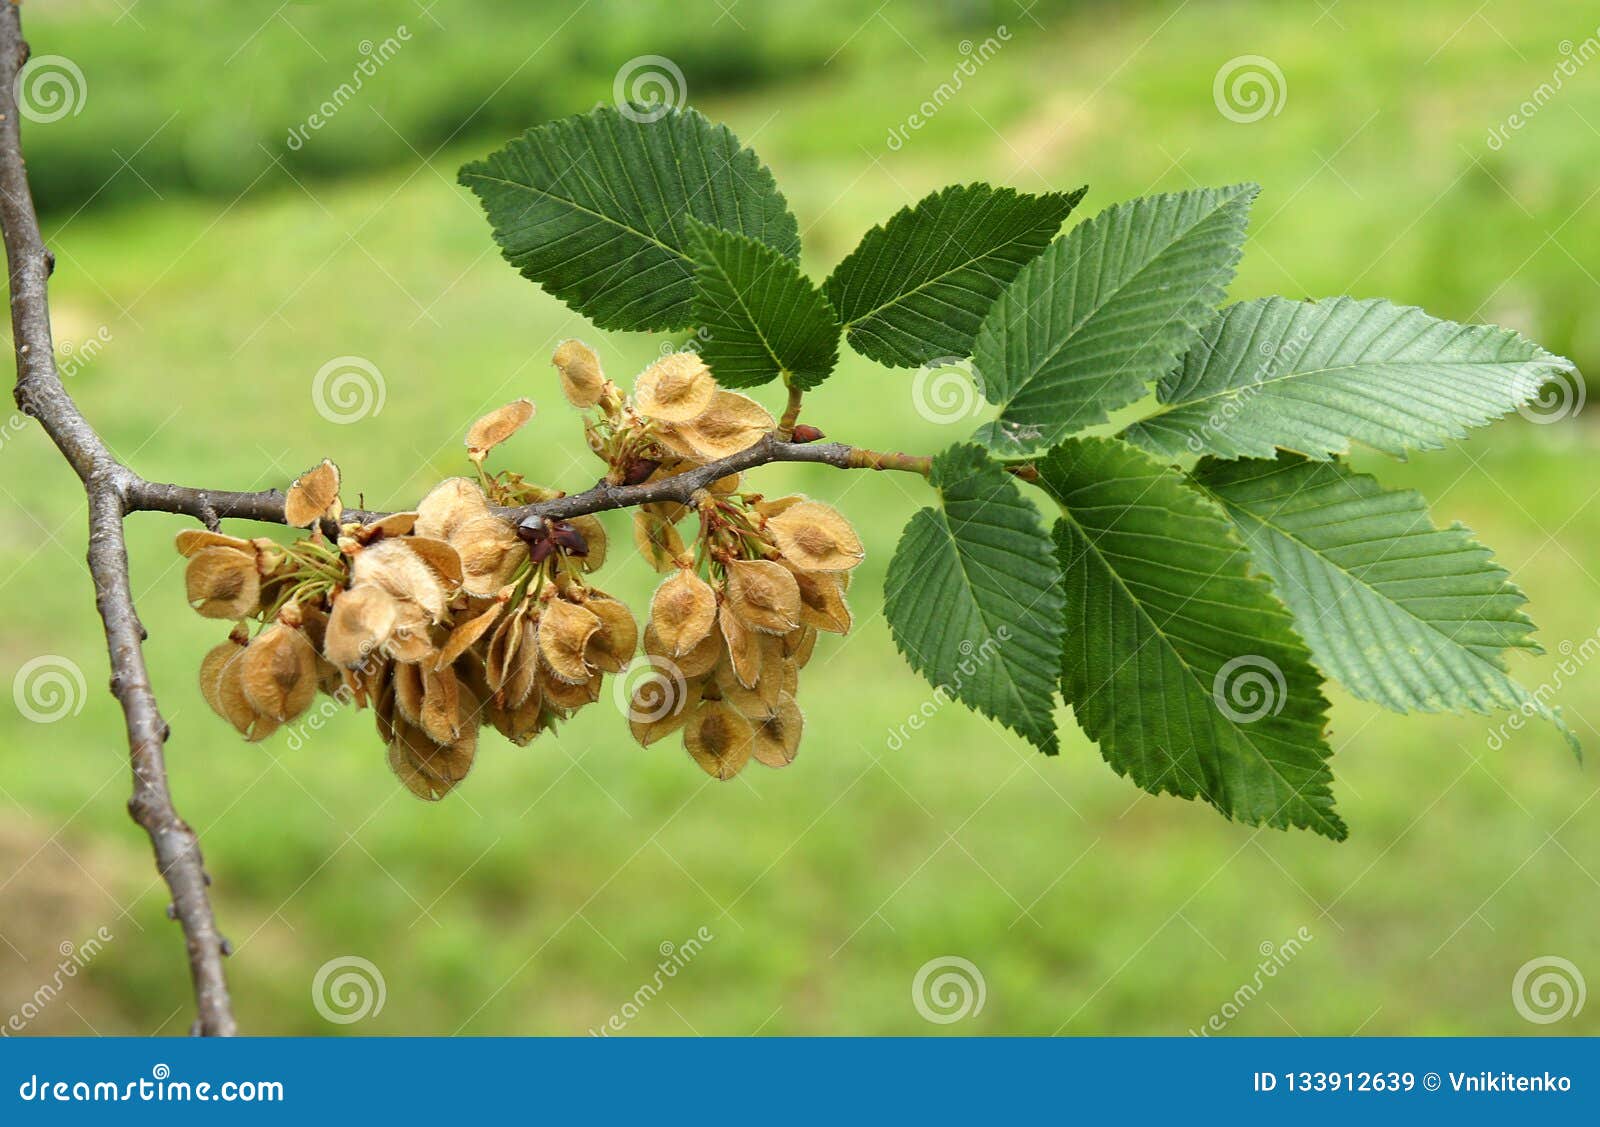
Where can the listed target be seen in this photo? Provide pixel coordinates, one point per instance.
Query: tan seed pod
(822, 604)
(594, 538)
(211, 667)
(674, 443)
(412, 638)
(440, 767)
(384, 710)
(657, 540)
(683, 611)
(279, 673)
(773, 506)
(777, 737)
(469, 671)
(363, 684)
(234, 706)
(764, 595)
(313, 496)
(724, 486)
(441, 557)
(567, 697)
(448, 506)
(521, 724)
(412, 777)
(731, 423)
(391, 566)
(614, 643)
(814, 537)
(490, 552)
(497, 426)
(661, 702)
(522, 673)
(718, 739)
(441, 705)
(409, 690)
(222, 582)
(362, 621)
(697, 662)
(582, 381)
(744, 649)
(564, 632)
(804, 647)
(395, 524)
(466, 634)
(675, 388)
(505, 644)
(753, 703)
(191, 540)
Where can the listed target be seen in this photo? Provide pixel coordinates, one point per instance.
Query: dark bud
(805, 432)
(639, 470)
(532, 530)
(569, 539)
(541, 550)
(544, 538)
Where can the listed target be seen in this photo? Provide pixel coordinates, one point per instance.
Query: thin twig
(39, 393)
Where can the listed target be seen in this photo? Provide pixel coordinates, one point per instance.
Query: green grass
(536, 898)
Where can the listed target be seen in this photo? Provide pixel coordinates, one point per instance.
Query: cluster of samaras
(452, 616)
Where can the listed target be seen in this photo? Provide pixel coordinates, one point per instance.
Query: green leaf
(595, 208)
(1316, 376)
(761, 317)
(1178, 660)
(916, 288)
(1106, 311)
(973, 596)
(1403, 613)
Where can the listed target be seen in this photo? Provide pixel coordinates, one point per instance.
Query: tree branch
(114, 490)
(39, 393)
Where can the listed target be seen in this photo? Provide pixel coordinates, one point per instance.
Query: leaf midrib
(1139, 608)
(1357, 580)
(1235, 392)
(1105, 299)
(576, 206)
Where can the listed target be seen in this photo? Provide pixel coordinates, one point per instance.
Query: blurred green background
(219, 269)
